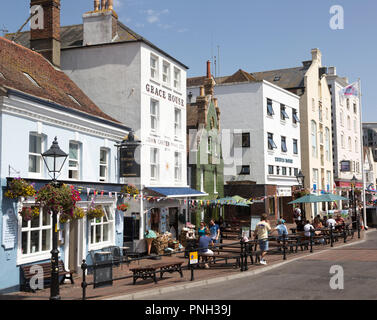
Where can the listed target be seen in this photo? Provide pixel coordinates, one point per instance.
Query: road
(307, 278)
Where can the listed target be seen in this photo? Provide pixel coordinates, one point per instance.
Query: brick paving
(125, 286)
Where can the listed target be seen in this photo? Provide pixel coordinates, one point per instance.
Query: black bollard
(84, 266)
(358, 227)
(344, 232)
(331, 236)
(311, 240)
(284, 251)
(241, 255)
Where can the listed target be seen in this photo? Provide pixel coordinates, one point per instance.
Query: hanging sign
(129, 168)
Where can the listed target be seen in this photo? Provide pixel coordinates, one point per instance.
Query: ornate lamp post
(355, 216)
(54, 158)
(301, 181)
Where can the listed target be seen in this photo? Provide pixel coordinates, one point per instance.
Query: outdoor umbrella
(232, 201)
(329, 197)
(309, 198)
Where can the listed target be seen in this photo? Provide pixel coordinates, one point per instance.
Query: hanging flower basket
(58, 199)
(29, 213)
(78, 213)
(129, 189)
(123, 207)
(95, 213)
(19, 188)
(65, 217)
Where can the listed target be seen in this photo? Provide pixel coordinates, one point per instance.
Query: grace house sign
(10, 229)
(163, 94)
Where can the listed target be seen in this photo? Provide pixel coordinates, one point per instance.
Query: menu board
(10, 229)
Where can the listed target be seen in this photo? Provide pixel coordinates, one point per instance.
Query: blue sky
(252, 35)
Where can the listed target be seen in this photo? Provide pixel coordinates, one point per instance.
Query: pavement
(173, 283)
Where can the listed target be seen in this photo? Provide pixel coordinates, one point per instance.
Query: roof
(240, 76)
(29, 72)
(72, 37)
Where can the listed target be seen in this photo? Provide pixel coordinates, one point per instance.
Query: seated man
(339, 221)
(307, 228)
(281, 228)
(330, 222)
(204, 242)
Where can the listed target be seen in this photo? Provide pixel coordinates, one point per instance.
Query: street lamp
(301, 181)
(54, 158)
(355, 219)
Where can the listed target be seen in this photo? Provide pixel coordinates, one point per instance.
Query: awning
(172, 192)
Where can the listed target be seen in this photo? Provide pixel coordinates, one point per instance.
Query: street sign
(194, 257)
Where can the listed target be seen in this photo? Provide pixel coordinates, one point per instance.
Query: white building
(346, 129)
(261, 135)
(38, 103)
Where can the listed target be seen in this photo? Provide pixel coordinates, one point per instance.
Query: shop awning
(172, 192)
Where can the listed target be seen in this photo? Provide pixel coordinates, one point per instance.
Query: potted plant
(19, 188)
(129, 189)
(65, 217)
(28, 213)
(95, 213)
(78, 213)
(123, 207)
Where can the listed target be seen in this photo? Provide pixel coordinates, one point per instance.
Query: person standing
(215, 231)
(202, 229)
(261, 232)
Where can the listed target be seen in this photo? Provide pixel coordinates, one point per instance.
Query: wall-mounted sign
(10, 228)
(283, 160)
(158, 92)
(345, 166)
(129, 168)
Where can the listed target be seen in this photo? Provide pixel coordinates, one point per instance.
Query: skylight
(31, 79)
(277, 78)
(2, 76)
(73, 99)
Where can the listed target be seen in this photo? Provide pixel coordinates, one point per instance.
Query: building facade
(38, 103)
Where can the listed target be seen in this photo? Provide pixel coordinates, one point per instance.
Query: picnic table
(150, 271)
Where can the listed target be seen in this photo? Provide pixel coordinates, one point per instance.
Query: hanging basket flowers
(58, 199)
(19, 188)
(28, 213)
(78, 213)
(123, 207)
(95, 213)
(65, 217)
(129, 189)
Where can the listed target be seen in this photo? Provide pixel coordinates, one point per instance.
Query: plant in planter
(28, 213)
(57, 199)
(65, 217)
(95, 213)
(129, 189)
(78, 213)
(123, 207)
(19, 188)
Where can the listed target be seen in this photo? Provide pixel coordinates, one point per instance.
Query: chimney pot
(208, 69)
(202, 91)
(103, 4)
(96, 5)
(110, 4)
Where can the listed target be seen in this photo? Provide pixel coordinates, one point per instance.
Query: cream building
(309, 82)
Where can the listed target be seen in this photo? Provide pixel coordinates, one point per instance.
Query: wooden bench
(46, 273)
(151, 270)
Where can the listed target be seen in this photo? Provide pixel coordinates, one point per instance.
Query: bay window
(102, 229)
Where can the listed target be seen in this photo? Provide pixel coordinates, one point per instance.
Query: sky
(252, 35)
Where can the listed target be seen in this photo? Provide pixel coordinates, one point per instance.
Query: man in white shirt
(331, 222)
(307, 228)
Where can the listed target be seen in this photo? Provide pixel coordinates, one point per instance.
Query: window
(348, 123)
(277, 170)
(270, 140)
(327, 141)
(349, 144)
(36, 234)
(101, 230)
(355, 125)
(348, 104)
(202, 180)
(177, 122)
(177, 78)
(283, 113)
(342, 140)
(154, 67)
(166, 72)
(178, 166)
(354, 107)
(154, 164)
(320, 113)
(215, 181)
(31, 79)
(345, 166)
(154, 115)
(356, 146)
(295, 146)
(295, 172)
(315, 176)
(74, 161)
(341, 119)
(270, 169)
(328, 180)
(103, 165)
(284, 171)
(313, 104)
(244, 170)
(295, 118)
(246, 140)
(209, 145)
(270, 109)
(283, 144)
(290, 171)
(314, 139)
(35, 150)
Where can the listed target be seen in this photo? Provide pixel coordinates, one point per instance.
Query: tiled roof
(72, 37)
(239, 76)
(29, 72)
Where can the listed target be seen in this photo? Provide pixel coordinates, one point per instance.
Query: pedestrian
(202, 229)
(215, 231)
(261, 233)
(204, 242)
(297, 215)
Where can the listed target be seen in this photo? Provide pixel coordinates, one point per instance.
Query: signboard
(284, 191)
(245, 232)
(254, 222)
(194, 257)
(10, 229)
(129, 168)
(103, 274)
(345, 166)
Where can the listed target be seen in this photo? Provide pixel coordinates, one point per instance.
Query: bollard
(241, 255)
(84, 266)
(344, 232)
(246, 248)
(358, 227)
(311, 240)
(284, 251)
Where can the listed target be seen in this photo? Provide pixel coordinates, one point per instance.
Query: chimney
(209, 69)
(317, 56)
(100, 25)
(332, 71)
(46, 41)
(209, 82)
(201, 102)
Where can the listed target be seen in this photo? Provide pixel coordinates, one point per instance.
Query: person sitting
(330, 222)
(339, 222)
(204, 251)
(324, 221)
(317, 224)
(282, 230)
(307, 228)
(202, 229)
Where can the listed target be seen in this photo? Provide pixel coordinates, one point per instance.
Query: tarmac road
(307, 278)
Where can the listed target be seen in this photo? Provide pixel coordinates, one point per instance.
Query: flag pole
(362, 157)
